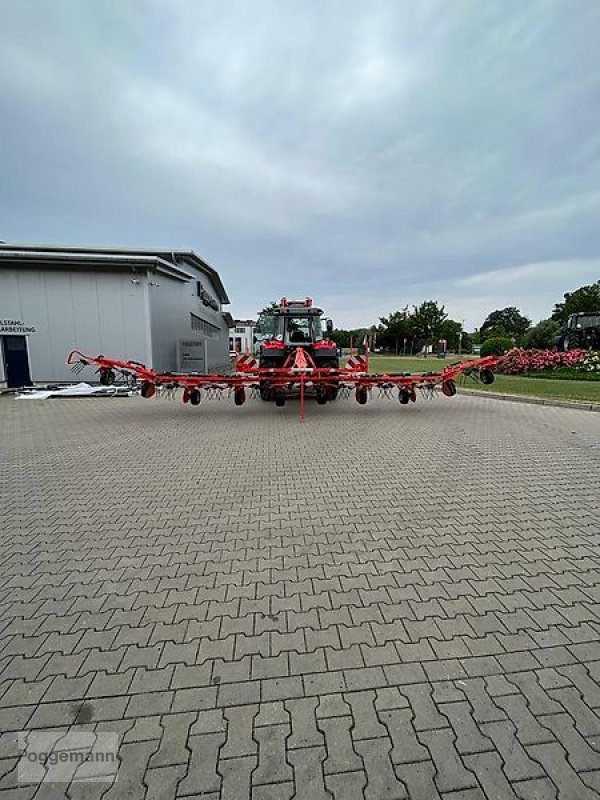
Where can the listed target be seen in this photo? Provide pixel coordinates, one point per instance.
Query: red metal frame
(299, 376)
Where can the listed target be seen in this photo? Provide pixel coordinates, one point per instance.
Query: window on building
(200, 325)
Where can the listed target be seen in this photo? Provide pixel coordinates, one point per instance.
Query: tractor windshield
(304, 330)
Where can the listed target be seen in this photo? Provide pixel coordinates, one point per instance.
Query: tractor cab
(291, 324)
(582, 330)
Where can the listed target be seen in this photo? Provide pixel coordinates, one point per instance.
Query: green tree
(467, 343)
(426, 321)
(586, 298)
(543, 334)
(341, 337)
(450, 330)
(507, 322)
(394, 330)
(273, 306)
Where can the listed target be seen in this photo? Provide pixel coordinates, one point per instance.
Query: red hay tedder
(296, 360)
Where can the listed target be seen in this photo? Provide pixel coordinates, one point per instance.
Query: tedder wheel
(486, 376)
(107, 377)
(321, 396)
(404, 396)
(239, 396)
(265, 394)
(279, 398)
(361, 395)
(332, 393)
(186, 396)
(195, 397)
(449, 388)
(147, 389)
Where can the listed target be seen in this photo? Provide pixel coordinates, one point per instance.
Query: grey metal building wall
(139, 305)
(172, 303)
(98, 311)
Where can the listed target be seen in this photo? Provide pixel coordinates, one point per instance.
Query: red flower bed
(518, 361)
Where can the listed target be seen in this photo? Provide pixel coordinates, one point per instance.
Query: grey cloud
(363, 154)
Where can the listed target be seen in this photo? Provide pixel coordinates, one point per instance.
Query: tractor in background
(583, 330)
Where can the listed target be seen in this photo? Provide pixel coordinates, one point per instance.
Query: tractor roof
(296, 308)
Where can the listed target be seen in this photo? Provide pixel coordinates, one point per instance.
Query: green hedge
(496, 346)
(564, 374)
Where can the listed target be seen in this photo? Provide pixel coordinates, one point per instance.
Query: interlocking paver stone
(251, 624)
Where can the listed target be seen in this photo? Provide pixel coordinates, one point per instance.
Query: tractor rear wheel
(328, 363)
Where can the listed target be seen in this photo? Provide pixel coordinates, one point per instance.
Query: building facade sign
(15, 326)
(205, 297)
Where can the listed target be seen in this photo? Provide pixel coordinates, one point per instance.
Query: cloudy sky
(368, 154)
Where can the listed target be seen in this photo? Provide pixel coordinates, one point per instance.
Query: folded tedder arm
(298, 377)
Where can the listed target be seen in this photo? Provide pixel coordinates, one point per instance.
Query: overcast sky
(368, 154)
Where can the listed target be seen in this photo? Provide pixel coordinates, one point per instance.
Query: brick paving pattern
(383, 603)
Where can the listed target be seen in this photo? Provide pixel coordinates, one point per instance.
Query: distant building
(162, 308)
(241, 336)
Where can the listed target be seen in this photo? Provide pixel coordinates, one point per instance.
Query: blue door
(16, 361)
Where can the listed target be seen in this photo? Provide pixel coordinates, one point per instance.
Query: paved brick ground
(384, 602)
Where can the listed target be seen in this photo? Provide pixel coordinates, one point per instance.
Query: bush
(543, 335)
(496, 346)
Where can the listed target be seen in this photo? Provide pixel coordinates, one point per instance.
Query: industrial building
(241, 336)
(162, 308)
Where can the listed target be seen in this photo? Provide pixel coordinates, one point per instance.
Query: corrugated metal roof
(167, 260)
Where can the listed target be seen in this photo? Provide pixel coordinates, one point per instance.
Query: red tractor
(294, 324)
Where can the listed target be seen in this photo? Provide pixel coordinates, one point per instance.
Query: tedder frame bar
(298, 377)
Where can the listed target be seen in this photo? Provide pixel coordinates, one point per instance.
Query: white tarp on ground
(77, 390)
